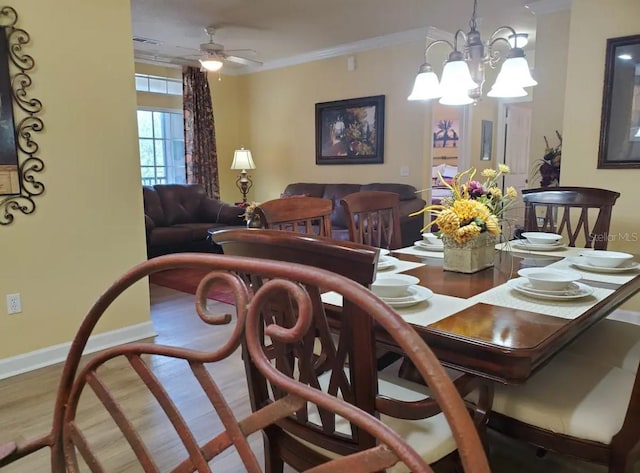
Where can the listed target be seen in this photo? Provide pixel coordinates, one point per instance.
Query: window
(161, 139)
(158, 85)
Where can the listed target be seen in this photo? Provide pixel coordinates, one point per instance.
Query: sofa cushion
(198, 230)
(335, 193)
(181, 203)
(405, 191)
(163, 236)
(304, 188)
(153, 206)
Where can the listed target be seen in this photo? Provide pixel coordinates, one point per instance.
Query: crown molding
(543, 7)
(403, 37)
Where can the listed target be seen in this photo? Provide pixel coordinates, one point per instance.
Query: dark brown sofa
(177, 218)
(410, 202)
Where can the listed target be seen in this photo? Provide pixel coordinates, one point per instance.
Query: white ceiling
(288, 30)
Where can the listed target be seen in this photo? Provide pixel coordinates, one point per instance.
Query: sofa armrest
(216, 211)
(148, 225)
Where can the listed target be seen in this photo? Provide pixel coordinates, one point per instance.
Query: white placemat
(423, 313)
(400, 266)
(414, 250)
(561, 252)
(504, 296)
(618, 278)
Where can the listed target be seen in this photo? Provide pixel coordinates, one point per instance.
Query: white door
(516, 156)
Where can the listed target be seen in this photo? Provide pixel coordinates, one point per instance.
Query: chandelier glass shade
(463, 73)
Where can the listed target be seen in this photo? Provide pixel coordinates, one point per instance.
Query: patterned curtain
(201, 155)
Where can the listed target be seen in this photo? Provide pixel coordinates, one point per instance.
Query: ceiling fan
(214, 55)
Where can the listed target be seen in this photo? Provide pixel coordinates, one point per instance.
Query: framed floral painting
(350, 131)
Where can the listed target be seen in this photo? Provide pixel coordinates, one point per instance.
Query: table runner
(414, 250)
(423, 313)
(504, 296)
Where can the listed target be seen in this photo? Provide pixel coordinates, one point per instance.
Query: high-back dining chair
(302, 214)
(568, 210)
(342, 362)
(373, 218)
(208, 427)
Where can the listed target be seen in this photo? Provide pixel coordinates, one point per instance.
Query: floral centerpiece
(471, 218)
(548, 168)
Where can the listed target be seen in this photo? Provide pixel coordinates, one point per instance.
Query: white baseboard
(57, 353)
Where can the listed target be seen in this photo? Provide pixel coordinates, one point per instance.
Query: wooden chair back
(149, 363)
(327, 359)
(566, 210)
(373, 218)
(301, 214)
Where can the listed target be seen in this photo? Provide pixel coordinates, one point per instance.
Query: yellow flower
(493, 225)
(490, 173)
(496, 193)
(447, 221)
(504, 169)
(466, 233)
(467, 209)
(511, 192)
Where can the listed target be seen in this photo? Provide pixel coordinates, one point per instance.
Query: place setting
(550, 284)
(603, 261)
(430, 242)
(400, 290)
(386, 262)
(539, 241)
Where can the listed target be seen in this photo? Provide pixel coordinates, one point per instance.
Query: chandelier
(463, 73)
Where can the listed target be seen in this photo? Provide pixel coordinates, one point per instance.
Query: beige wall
(552, 43)
(282, 119)
(88, 226)
(592, 22)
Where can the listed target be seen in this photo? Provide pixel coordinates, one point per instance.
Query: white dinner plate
(524, 245)
(520, 285)
(386, 262)
(416, 294)
(424, 245)
(383, 251)
(582, 263)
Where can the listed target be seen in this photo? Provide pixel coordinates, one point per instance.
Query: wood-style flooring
(26, 403)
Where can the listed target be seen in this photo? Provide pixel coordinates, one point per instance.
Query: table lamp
(242, 160)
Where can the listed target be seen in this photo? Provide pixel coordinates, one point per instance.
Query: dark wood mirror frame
(19, 121)
(620, 125)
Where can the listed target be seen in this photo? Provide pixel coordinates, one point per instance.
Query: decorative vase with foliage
(470, 220)
(548, 168)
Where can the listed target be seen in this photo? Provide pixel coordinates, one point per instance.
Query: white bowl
(606, 259)
(542, 238)
(549, 279)
(393, 285)
(432, 239)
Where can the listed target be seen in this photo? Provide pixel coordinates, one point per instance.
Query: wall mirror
(620, 124)
(19, 122)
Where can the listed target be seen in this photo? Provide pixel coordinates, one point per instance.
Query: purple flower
(475, 189)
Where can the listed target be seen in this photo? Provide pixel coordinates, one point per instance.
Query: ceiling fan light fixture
(211, 64)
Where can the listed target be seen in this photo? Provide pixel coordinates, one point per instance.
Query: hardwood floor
(26, 403)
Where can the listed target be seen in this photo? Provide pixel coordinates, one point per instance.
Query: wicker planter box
(471, 256)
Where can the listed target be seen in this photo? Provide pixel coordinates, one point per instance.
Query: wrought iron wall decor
(19, 120)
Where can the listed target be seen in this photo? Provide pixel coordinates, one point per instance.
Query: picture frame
(350, 131)
(446, 133)
(620, 121)
(9, 178)
(486, 140)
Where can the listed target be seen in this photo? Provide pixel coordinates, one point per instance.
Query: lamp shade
(211, 64)
(506, 91)
(242, 160)
(515, 71)
(456, 78)
(426, 85)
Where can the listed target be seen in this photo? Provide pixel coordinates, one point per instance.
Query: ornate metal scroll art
(19, 180)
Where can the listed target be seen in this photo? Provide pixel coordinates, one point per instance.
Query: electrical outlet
(404, 171)
(14, 304)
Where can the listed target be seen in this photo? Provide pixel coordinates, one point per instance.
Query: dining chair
(82, 438)
(302, 214)
(338, 357)
(373, 218)
(567, 210)
(576, 405)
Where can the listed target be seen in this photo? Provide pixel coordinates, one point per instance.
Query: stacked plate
(539, 241)
(551, 284)
(386, 262)
(400, 290)
(601, 261)
(430, 242)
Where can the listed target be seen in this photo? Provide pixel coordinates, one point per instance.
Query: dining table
(481, 323)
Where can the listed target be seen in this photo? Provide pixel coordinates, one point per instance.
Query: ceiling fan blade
(242, 60)
(251, 52)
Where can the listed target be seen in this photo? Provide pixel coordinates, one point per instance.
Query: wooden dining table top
(503, 343)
